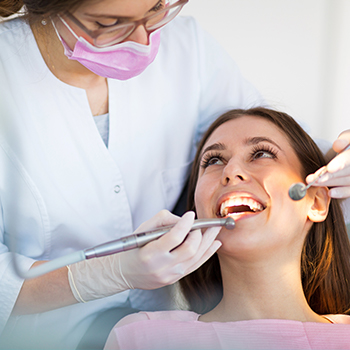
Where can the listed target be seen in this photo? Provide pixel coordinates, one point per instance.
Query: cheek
(203, 196)
(284, 211)
(67, 36)
(80, 33)
(277, 184)
(200, 200)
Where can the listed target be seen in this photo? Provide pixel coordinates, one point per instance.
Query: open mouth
(235, 206)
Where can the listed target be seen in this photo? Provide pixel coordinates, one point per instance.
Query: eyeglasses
(117, 33)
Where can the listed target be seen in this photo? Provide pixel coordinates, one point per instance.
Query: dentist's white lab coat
(62, 190)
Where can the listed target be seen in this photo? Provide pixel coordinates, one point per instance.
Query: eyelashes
(263, 151)
(100, 25)
(211, 158)
(258, 152)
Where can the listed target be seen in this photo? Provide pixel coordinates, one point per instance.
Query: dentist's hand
(338, 175)
(172, 256)
(159, 263)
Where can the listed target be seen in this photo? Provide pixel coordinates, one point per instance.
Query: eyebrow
(214, 147)
(101, 16)
(258, 139)
(249, 141)
(116, 17)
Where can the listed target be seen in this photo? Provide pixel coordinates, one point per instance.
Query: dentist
(101, 106)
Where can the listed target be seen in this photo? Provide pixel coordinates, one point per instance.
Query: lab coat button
(117, 189)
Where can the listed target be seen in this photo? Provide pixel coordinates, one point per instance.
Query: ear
(319, 209)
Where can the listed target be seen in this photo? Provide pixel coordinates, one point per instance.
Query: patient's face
(247, 167)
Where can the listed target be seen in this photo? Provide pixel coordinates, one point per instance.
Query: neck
(264, 290)
(52, 51)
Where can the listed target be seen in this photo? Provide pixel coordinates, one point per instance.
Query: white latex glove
(159, 263)
(338, 169)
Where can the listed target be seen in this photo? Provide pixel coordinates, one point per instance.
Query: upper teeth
(235, 202)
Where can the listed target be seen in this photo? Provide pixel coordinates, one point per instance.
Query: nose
(234, 173)
(139, 35)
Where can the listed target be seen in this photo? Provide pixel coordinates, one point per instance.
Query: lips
(239, 205)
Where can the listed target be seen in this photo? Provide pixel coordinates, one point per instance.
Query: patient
(281, 279)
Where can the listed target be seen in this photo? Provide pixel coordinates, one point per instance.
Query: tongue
(239, 209)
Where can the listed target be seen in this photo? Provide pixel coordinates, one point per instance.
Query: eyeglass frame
(94, 34)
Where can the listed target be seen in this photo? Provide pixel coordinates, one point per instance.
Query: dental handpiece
(129, 242)
(138, 240)
(298, 190)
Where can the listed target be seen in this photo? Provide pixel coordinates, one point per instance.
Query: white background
(296, 52)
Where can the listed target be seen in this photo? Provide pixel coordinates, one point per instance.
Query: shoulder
(338, 319)
(174, 315)
(132, 318)
(151, 330)
(13, 25)
(187, 25)
(186, 31)
(182, 23)
(15, 36)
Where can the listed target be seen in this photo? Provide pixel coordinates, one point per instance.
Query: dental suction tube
(133, 241)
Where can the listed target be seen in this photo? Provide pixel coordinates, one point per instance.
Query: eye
(211, 159)
(263, 151)
(159, 6)
(104, 25)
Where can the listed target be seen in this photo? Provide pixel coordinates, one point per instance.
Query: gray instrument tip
(297, 191)
(230, 223)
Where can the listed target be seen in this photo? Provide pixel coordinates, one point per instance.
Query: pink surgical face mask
(121, 61)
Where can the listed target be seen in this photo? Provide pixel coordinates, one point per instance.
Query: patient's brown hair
(325, 258)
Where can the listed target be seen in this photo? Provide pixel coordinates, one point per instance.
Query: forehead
(122, 8)
(245, 127)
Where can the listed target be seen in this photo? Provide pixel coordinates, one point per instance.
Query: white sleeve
(10, 282)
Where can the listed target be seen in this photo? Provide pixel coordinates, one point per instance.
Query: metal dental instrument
(298, 190)
(138, 240)
(133, 241)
